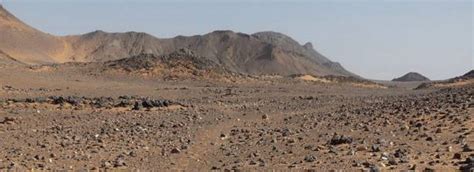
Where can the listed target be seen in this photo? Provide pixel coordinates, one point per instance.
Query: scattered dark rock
(101, 102)
(340, 139)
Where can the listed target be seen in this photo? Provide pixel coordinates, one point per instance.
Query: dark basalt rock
(100, 102)
(340, 139)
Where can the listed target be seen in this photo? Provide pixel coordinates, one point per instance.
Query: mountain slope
(259, 53)
(469, 75)
(237, 52)
(27, 44)
(466, 79)
(5, 59)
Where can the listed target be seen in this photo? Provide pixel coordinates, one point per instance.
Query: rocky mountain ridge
(259, 53)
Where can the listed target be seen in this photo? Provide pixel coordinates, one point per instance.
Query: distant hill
(466, 79)
(412, 76)
(259, 53)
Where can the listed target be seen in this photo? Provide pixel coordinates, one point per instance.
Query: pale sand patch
(42, 68)
(454, 84)
(312, 78)
(375, 86)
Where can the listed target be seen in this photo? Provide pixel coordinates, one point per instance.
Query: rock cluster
(133, 102)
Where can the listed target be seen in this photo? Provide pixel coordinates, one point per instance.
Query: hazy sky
(378, 39)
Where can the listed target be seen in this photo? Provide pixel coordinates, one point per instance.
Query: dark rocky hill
(181, 58)
(412, 76)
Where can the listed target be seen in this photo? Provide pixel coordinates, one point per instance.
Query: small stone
(427, 169)
(310, 158)
(351, 152)
(106, 164)
(175, 151)
(340, 139)
(8, 120)
(467, 148)
(457, 156)
(392, 161)
(137, 106)
(470, 160)
(430, 139)
(413, 167)
(265, 117)
(376, 148)
(467, 168)
(374, 168)
(449, 149)
(405, 127)
(362, 148)
(384, 156)
(132, 154)
(40, 165)
(120, 162)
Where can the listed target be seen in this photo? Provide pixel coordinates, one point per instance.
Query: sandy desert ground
(53, 119)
